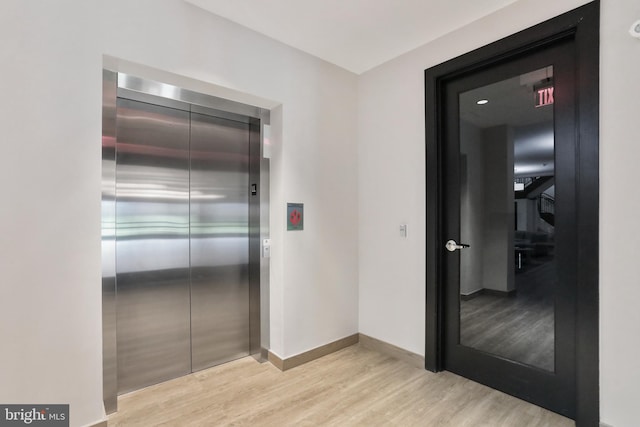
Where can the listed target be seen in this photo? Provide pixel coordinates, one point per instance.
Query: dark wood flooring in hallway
(519, 327)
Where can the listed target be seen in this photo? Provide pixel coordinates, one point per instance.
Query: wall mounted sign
(295, 216)
(544, 96)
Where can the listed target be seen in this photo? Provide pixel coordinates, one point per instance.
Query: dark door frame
(581, 27)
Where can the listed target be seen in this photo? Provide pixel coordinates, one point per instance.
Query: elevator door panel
(219, 240)
(152, 252)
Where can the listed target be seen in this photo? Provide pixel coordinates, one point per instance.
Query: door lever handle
(452, 246)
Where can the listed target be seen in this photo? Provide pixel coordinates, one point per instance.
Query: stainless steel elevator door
(182, 242)
(219, 240)
(152, 244)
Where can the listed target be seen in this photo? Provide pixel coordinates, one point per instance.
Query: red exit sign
(544, 96)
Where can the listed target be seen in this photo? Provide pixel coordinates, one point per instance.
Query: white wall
(392, 186)
(619, 207)
(51, 59)
(498, 253)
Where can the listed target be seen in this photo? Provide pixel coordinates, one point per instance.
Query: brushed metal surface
(265, 196)
(135, 88)
(171, 196)
(255, 241)
(152, 249)
(109, 352)
(171, 92)
(219, 240)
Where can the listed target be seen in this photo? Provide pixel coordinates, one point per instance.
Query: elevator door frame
(116, 85)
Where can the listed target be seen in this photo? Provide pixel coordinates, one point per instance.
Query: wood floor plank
(352, 387)
(519, 327)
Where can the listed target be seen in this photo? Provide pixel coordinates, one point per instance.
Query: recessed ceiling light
(482, 102)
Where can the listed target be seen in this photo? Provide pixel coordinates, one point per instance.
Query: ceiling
(512, 102)
(354, 34)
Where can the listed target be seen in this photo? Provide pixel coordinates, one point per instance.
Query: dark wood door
(510, 149)
(517, 309)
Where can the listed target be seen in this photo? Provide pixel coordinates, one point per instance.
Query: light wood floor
(352, 387)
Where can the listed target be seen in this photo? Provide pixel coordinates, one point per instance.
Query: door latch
(452, 246)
